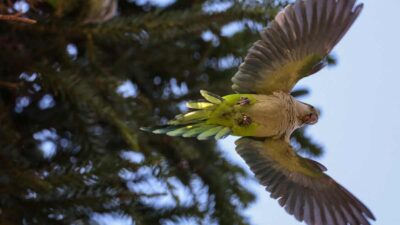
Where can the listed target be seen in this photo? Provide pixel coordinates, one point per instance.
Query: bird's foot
(244, 120)
(243, 101)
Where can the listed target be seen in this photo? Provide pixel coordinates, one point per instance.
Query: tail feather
(213, 98)
(194, 123)
(209, 133)
(199, 105)
(162, 129)
(223, 133)
(190, 117)
(197, 129)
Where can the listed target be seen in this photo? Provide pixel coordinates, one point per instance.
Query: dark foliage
(76, 86)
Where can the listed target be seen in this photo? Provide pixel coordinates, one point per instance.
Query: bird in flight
(264, 114)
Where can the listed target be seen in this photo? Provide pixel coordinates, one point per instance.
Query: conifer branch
(9, 85)
(307, 146)
(72, 89)
(17, 18)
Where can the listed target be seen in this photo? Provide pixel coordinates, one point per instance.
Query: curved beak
(311, 118)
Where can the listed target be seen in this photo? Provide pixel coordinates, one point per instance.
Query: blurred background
(76, 86)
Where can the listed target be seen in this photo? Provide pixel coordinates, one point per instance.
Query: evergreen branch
(221, 187)
(81, 93)
(152, 27)
(300, 93)
(307, 146)
(17, 18)
(170, 25)
(9, 85)
(8, 134)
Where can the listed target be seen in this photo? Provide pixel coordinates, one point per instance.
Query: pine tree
(76, 86)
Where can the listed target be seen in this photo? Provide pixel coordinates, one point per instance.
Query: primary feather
(294, 45)
(301, 185)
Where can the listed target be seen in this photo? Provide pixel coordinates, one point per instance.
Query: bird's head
(306, 113)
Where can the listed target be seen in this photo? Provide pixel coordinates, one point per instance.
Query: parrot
(264, 114)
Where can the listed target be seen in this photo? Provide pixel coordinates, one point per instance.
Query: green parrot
(264, 114)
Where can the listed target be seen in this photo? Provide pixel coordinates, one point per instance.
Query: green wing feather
(294, 45)
(301, 185)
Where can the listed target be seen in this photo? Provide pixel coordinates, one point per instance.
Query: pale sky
(359, 127)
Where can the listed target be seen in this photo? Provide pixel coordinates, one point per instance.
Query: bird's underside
(246, 115)
(264, 114)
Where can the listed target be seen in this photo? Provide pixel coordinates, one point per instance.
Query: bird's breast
(272, 115)
(255, 115)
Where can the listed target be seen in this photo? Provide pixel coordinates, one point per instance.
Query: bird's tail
(194, 123)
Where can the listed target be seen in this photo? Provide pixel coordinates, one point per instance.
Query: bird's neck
(290, 124)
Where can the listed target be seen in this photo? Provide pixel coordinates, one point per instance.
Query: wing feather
(300, 184)
(294, 45)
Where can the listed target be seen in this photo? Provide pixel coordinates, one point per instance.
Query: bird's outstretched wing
(295, 45)
(301, 185)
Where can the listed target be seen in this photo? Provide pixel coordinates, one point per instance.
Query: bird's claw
(244, 121)
(243, 101)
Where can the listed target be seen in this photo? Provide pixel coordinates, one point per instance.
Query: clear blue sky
(359, 126)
